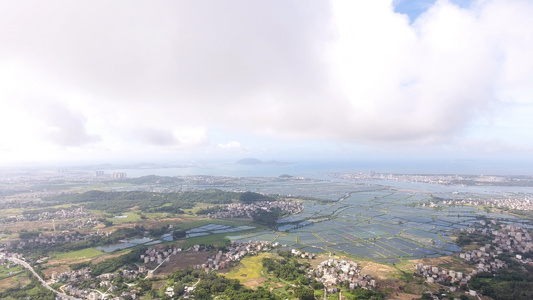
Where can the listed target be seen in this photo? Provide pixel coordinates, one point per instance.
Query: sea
(321, 169)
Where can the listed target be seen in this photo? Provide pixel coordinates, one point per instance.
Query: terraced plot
(374, 220)
(380, 225)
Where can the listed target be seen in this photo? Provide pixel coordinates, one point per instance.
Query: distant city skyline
(143, 81)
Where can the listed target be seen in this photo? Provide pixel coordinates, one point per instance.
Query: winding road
(27, 266)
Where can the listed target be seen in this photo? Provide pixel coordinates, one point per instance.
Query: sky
(105, 81)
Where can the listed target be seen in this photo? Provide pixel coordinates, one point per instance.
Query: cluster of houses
(235, 252)
(434, 179)
(158, 255)
(333, 272)
(71, 279)
(511, 203)
(104, 281)
(221, 260)
(72, 276)
(485, 261)
(187, 291)
(301, 254)
(508, 238)
(434, 274)
(241, 210)
(71, 213)
(77, 223)
(43, 240)
(513, 239)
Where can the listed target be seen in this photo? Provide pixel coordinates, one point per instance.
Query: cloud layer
(111, 75)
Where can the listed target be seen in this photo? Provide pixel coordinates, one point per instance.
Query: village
(524, 204)
(498, 239)
(503, 239)
(75, 212)
(51, 240)
(241, 210)
(433, 179)
(331, 272)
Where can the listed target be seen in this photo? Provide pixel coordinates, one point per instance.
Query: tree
(303, 293)
(250, 197)
(178, 234)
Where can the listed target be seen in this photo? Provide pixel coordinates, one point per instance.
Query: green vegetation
(218, 240)
(251, 268)
(465, 238)
(34, 290)
(304, 293)
(515, 283)
(119, 234)
(5, 272)
(280, 277)
(80, 265)
(251, 197)
(148, 202)
(363, 294)
(179, 234)
(212, 286)
(286, 268)
(528, 214)
(24, 234)
(208, 210)
(130, 217)
(198, 223)
(80, 254)
(115, 263)
(268, 218)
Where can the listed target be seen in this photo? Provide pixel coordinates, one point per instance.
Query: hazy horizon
(291, 167)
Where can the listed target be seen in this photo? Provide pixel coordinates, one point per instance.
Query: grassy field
(213, 239)
(202, 222)
(11, 212)
(20, 279)
(197, 207)
(12, 277)
(250, 268)
(130, 217)
(154, 216)
(80, 254)
(11, 271)
(249, 272)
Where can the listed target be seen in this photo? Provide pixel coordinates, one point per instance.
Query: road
(27, 266)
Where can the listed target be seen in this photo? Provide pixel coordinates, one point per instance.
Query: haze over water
(320, 169)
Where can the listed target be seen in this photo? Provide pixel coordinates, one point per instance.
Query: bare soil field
(183, 260)
(254, 283)
(57, 269)
(14, 281)
(378, 271)
(32, 225)
(71, 260)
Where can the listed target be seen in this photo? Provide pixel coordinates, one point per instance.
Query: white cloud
(426, 81)
(232, 145)
(159, 77)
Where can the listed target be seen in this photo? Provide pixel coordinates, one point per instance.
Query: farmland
(385, 226)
